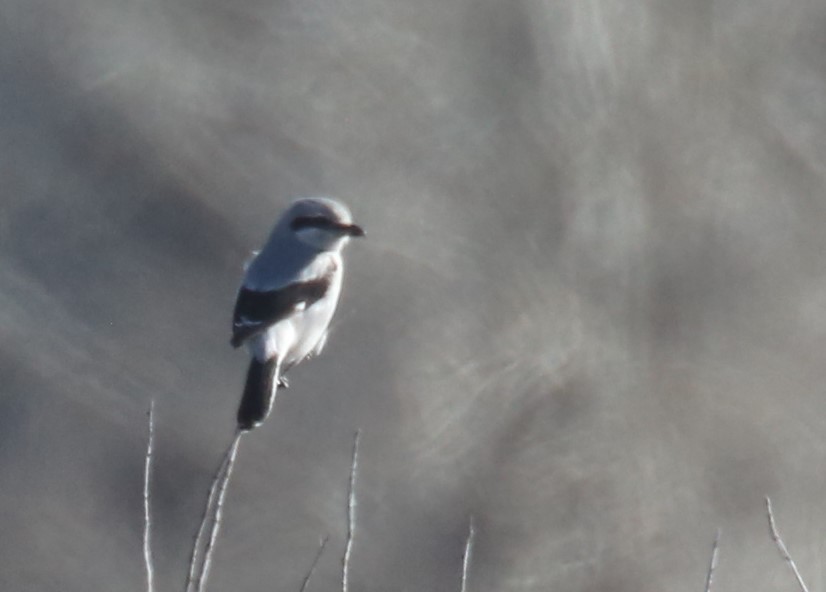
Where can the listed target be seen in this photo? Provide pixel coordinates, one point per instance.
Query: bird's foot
(283, 383)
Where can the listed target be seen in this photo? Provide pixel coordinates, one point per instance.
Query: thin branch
(712, 565)
(351, 515)
(147, 499)
(219, 506)
(471, 534)
(196, 557)
(315, 562)
(197, 545)
(782, 546)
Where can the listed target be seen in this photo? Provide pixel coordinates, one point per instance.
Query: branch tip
(471, 535)
(147, 497)
(781, 546)
(351, 514)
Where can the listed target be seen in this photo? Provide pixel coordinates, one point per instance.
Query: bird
(288, 297)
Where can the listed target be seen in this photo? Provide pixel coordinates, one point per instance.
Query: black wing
(257, 310)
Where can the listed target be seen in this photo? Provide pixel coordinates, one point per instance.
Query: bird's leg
(283, 383)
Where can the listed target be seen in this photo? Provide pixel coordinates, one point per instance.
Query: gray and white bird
(288, 297)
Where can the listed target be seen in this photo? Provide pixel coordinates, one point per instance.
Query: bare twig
(147, 515)
(471, 534)
(194, 579)
(321, 546)
(782, 546)
(198, 543)
(712, 564)
(219, 506)
(351, 515)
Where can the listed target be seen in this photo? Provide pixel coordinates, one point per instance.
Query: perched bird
(288, 297)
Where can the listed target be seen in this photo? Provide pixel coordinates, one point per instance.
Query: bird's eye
(310, 222)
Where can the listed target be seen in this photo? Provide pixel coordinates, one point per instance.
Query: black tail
(259, 393)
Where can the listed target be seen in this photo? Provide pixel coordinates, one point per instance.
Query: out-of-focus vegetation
(591, 310)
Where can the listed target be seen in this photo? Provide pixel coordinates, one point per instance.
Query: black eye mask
(311, 222)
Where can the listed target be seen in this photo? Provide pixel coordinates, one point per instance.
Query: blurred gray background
(591, 310)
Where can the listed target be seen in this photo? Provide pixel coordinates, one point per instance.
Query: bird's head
(321, 222)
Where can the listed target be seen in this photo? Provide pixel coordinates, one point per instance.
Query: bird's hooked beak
(353, 230)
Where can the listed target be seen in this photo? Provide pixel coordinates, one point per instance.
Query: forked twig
(351, 515)
(147, 499)
(195, 557)
(219, 506)
(782, 546)
(712, 564)
(471, 534)
(315, 562)
(196, 577)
